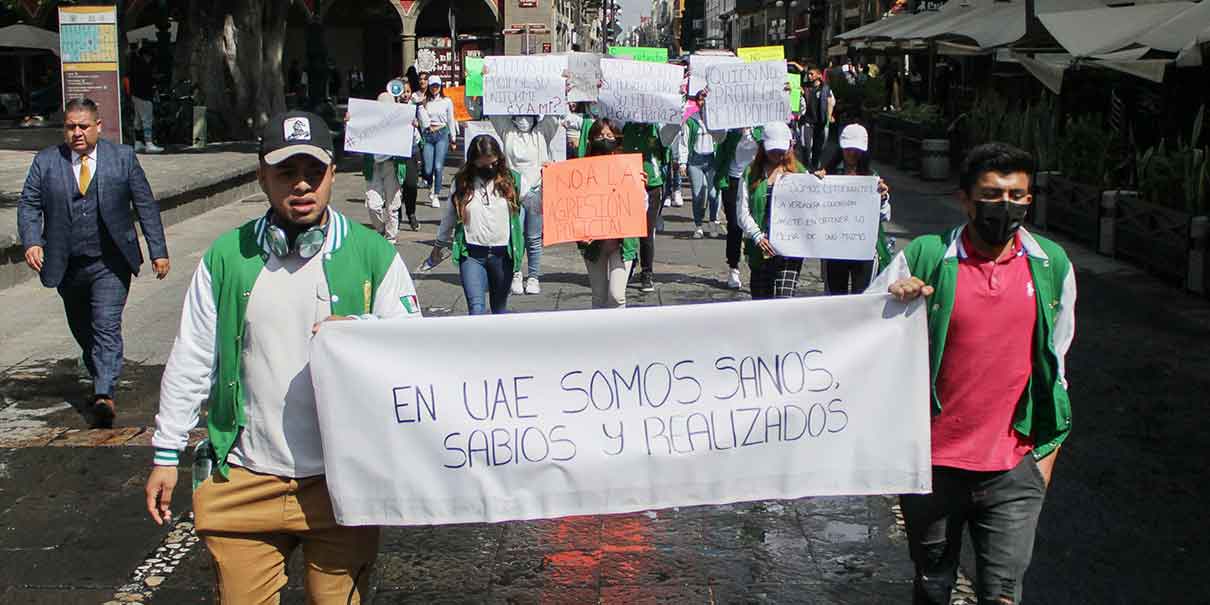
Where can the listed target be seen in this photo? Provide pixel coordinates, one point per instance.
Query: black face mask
(604, 146)
(487, 173)
(997, 222)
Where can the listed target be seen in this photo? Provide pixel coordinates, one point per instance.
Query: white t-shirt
(487, 217)
(745, 152)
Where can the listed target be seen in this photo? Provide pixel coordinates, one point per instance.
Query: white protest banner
(698, 64)
(381, 128)
(538, 415)
(585, 75)
(526, 85)
(746, 94)
(474, 129)
(641, 91)
(834, 217)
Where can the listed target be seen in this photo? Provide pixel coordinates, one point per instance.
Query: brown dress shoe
(103, 413)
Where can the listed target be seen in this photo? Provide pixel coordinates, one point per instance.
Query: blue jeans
(487, 273)
(94, 294)
(436, 145)
(701, 181)
(531, 219)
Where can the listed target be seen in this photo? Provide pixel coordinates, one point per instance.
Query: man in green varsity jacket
(1001, 316)
(259, 294)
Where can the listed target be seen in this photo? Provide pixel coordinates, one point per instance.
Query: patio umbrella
(27, 36)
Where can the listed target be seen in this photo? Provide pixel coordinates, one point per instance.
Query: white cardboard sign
(641, 91)
(835, 217)
(746, 95)
(584, 74)
(559, 414)
(525, 85)
(380, 128)
(698, 64)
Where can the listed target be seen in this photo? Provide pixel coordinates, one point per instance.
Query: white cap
(386, 97)
(855, 136)
(434, 80)
(776, 136)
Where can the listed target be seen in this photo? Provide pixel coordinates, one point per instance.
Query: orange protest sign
(458, 96)
(593, 198)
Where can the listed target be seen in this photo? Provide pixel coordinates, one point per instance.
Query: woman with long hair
(773, 275)
(851, 157)
(608, 261)
(440, 131)
(482, 226)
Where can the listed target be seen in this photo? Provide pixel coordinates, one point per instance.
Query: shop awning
(1085, 33)
(989, 25)
(26, 36)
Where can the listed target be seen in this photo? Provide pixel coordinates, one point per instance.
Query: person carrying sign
(259, 295)
(608, 261)
(773, 275)
(851, 157)
(1001, 317)
(647, 140)
(385, 176)
(732, 159)
(695, 150)
(483, 228)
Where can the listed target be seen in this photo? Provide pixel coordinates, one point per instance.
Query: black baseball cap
(294, 132)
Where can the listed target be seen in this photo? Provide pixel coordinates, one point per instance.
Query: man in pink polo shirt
(1001, 316)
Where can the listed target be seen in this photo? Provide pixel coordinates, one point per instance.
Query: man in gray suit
(77, 227)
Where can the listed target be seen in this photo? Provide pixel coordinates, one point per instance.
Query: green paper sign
(640, 53)
(795, 81)
(474, 76)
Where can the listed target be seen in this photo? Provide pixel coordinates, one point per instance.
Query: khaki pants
(608, 276)
(251, 523)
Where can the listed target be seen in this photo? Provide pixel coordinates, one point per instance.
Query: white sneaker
(667, 203)
(434, 199)
(153, 148)
(733, 280)
(139, 147)
(677, 199)
(719, 229)
(532, 286)
(518, 284)
(699, 234)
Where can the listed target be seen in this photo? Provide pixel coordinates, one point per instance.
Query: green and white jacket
(365, 278)
(1044, 410)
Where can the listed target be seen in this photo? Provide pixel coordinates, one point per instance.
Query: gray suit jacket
(44, 213)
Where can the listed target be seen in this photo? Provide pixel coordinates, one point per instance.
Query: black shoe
(646, 283)
(103, 413)
(414, 223)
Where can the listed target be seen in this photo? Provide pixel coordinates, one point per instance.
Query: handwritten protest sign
(746, 94)
(525, 85)
(698, 64)
(585, 74)
(756, 54)
(640, 53)
(470, 130)
(564, 414)
(836, 217)
(795, 81)
(381, 128)
(474, 76)
(594, 198)
(635, 91)
(457, 96)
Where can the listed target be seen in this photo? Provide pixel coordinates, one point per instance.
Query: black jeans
(735, 235)
(1002, 511)
(655, 207)
(847, 276)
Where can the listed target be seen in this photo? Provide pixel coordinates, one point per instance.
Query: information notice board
(88, 50)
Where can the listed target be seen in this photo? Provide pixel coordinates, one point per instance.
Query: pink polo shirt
(987, 362)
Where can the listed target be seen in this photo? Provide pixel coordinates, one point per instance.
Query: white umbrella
(27, 36)
(148, 33)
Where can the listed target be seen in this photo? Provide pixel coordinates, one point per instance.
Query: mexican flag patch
(410, 303)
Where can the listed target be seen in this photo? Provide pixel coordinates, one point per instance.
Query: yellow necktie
(85, 175)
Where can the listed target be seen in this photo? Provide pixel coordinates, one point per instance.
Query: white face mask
(523, 123)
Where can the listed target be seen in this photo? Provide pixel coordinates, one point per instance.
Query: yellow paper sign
(754, 54)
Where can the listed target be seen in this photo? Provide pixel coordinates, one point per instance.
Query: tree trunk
(232, 50)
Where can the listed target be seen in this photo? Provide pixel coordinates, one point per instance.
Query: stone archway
(411, 10)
